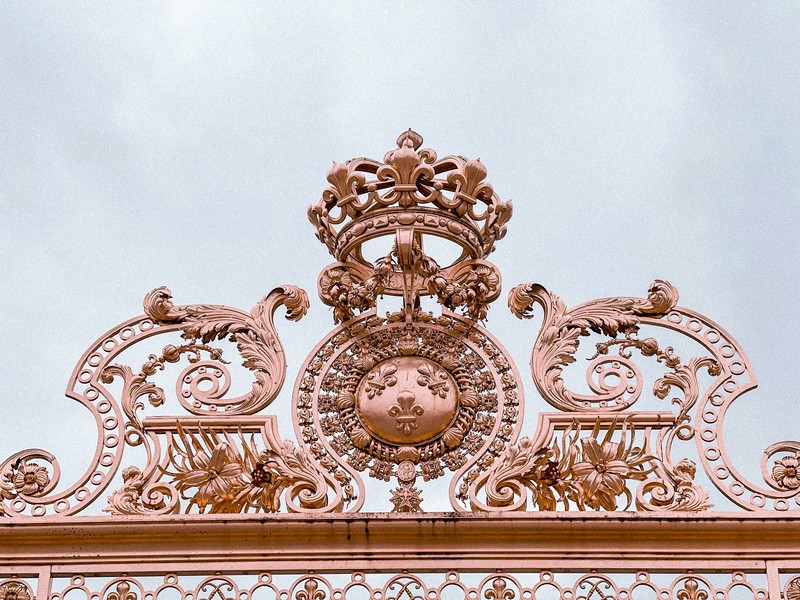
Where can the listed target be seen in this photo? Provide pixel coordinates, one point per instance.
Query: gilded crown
(448, 198)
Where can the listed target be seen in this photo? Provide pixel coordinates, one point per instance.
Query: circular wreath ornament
(434, 395)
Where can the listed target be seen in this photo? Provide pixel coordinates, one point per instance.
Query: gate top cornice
(411, 398)
(376, 541)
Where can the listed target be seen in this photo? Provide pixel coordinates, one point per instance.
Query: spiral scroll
(671, 487)
(28, 478)
(254, 335)
(558, 339)
(86, 386)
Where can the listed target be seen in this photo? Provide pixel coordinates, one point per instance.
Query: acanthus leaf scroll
(254, 335)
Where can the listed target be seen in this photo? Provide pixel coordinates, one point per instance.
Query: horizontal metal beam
(380, 541)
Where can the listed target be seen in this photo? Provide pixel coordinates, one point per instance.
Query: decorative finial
(409, 138)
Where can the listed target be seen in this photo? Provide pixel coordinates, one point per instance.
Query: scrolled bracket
(23, 477)
(253, 333)
(138, 496)
(559, 338)
(700, 412)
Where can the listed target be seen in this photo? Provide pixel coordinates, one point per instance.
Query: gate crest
(409, 396)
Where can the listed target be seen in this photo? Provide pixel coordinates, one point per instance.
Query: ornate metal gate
(603, 500)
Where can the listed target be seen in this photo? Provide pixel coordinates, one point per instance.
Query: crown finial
(409, 138)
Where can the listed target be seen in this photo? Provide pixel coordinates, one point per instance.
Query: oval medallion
(407, 400)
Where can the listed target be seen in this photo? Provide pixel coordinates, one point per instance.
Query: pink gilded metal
(413, 399)
(409, 391)
(403, 585)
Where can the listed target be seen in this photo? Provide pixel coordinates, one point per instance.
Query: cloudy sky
(178, 144)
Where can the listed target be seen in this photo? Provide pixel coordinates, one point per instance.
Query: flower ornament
(263, 490)
(31, 478)
(24, 478)
(14, 590)
(549, 476)
(335, 284)
(261, 475)
(793, 589)
(482, 281)
(551, 469)
(602, 474)
(215, 476)
(786, 470)
(347, 292)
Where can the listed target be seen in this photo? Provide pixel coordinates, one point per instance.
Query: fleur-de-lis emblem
(691, 591)
(310, 591)
(434, 379)
(123, 592)
(499, 590)
(406, 411)
(380, 380)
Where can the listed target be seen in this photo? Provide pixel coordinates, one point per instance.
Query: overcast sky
(179, 144)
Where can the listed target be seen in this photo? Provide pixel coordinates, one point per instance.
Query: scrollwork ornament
(409, 395)
(253, 333)
(217, 588)
(673, 489)
(670, 487)
(595, 587)
(560, 335)
(620, 320)
(257, 342)
(137, 496)
(405, 587)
